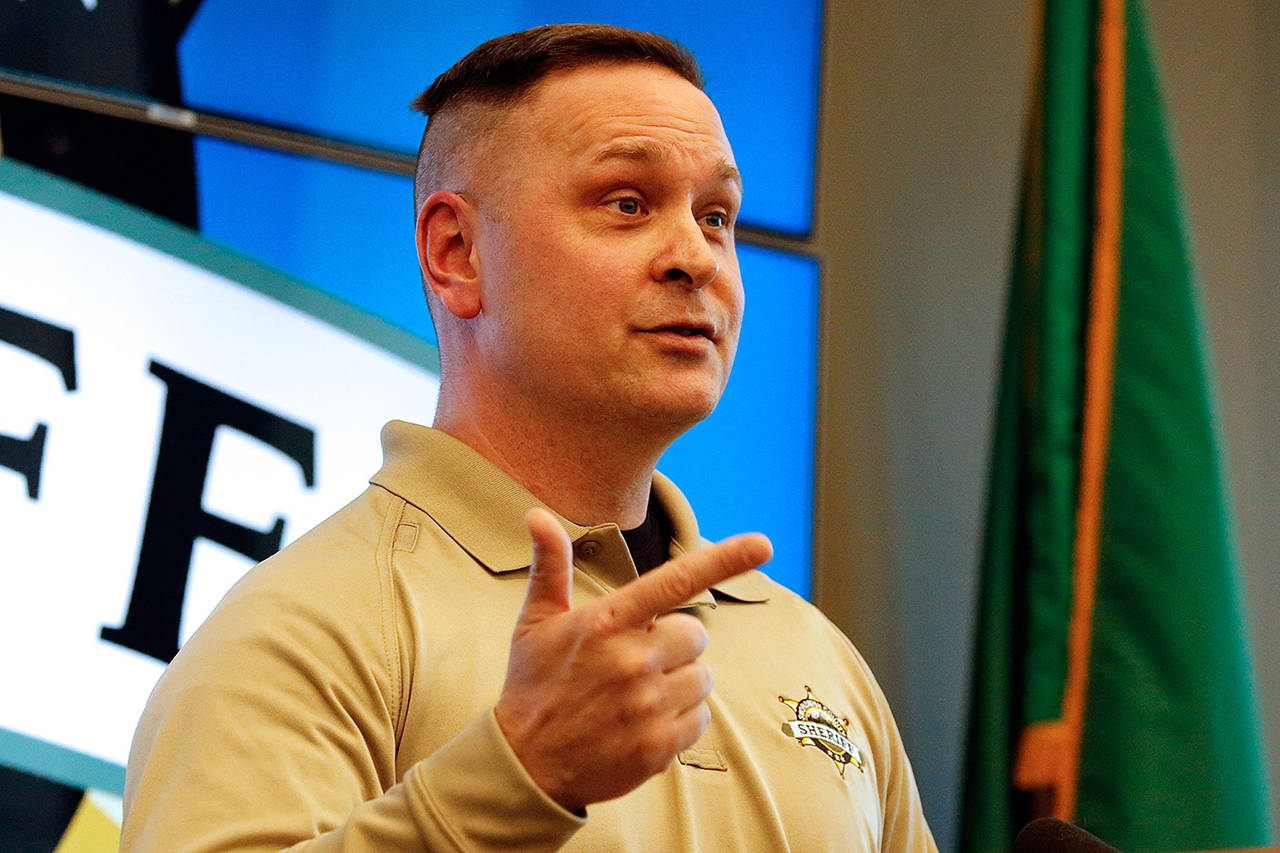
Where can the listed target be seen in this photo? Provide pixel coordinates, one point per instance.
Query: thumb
(551, 572)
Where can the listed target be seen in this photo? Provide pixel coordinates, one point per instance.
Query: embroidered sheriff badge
(817, 725)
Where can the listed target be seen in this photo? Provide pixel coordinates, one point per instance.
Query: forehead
(631, 111)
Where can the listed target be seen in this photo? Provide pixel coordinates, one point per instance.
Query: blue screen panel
(348, 69)
(346, 230)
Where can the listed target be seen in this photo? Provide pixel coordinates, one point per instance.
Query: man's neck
(587, 472)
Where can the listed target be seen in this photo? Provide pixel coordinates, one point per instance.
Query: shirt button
(588, 548)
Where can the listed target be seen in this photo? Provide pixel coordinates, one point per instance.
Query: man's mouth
(689, 331)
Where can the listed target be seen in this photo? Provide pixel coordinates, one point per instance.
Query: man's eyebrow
(726, 171)
(648, 152)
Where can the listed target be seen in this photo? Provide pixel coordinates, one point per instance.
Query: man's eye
(716, 220)
(628, 206)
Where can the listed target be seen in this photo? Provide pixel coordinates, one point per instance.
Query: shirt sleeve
(275, 728)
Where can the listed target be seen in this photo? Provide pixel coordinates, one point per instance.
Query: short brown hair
(504, 68)
(500, 72)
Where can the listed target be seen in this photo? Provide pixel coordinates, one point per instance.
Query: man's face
(611, 286)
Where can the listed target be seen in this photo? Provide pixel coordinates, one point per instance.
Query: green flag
(1111, 685)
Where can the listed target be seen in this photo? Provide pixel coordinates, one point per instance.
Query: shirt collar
(483, 510)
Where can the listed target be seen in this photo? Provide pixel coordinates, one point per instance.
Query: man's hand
(600, 698)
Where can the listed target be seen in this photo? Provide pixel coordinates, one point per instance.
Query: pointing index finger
(665, 588)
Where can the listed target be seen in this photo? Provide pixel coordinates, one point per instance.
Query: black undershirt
(650, 543)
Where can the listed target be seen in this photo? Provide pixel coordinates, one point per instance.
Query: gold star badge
(817, 725)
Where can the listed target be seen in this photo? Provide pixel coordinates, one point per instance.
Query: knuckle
(635, 700)
(657, 750)
(706, 680)
(687, 630)
(670, 624)
(697, 632)
(645, 702)
(687, 734)
(691, 728)
(703, 720)
(599, 621)
(677, 584)
(636, 662)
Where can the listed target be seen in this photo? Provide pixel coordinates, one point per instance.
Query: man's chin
(664, 407)
(679, 412)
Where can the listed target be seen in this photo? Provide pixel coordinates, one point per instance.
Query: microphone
(1050, 835)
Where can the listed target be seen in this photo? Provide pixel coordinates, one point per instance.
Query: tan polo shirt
(340, 697)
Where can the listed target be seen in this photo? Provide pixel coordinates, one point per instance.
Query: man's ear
(446, 252)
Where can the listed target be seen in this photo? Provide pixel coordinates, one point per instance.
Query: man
(363, 689)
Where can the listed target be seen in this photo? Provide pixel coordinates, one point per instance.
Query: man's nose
(686, 256)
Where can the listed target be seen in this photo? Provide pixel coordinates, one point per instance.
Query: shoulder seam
(390, 624)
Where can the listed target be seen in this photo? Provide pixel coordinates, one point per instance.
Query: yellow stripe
(91, 830)
(1099, 368)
